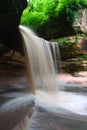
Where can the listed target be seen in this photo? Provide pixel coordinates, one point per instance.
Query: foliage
(33, 16)
(83, 57)
(66, 10)
(34, 19)
(65, 41)
(83, 3)
(52, 14)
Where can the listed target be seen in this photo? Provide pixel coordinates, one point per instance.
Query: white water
(42, 75)
(39, 61)
(76, 103)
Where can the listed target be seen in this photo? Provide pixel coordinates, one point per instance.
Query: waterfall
(41, 64)
(41, 58)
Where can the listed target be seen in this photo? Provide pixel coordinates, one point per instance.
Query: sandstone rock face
(70, 49)
(73, 54)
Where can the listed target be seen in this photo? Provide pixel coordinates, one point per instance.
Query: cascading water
(39, 61)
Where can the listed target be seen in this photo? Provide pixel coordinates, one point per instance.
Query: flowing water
(39, 62)
(42, 76)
